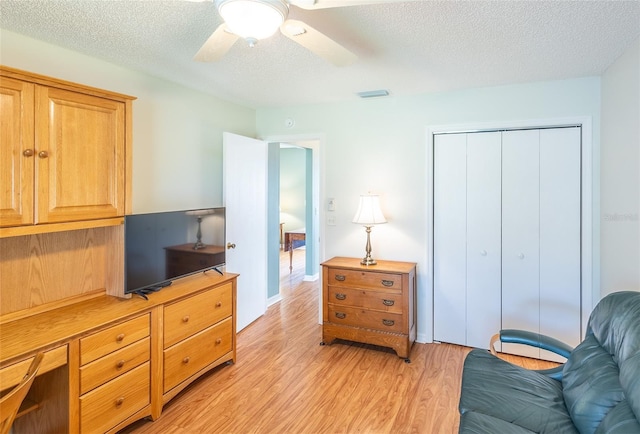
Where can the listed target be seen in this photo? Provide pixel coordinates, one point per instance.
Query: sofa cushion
(478, 423)
(620, 420)
(516, 395)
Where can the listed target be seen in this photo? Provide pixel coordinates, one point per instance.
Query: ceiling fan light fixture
(294, 30)
(253, 19)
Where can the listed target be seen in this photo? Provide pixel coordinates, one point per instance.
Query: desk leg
(290, 255)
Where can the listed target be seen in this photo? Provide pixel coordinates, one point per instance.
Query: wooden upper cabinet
(16, 152)
(65, 151)
(81, 156)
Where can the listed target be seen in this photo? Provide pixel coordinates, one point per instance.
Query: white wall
(620, 179)
(292, 188)
(379, 145)
(177, 132)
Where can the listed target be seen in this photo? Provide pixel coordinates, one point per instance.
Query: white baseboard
(273, 300)
(311, 278)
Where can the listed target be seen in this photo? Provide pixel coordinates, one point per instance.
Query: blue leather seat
(596, 391)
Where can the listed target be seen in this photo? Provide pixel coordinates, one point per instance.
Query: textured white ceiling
(406, 47)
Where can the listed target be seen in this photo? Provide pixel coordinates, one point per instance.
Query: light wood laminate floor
(286, 382)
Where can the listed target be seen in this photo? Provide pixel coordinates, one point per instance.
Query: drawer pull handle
(218, 341)
(388, 302)
(119, 401)
(120, 364)
(120, 337)
(341, 296)
(340, 277)
(387, 283)
(219, 304)
(341, 315)
(186, 360)
(185, 318)
(388, 322)
(28, 152)
(43, 154)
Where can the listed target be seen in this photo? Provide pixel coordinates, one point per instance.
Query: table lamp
(369, 214)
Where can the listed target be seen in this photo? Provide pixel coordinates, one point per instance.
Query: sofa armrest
(534, 340)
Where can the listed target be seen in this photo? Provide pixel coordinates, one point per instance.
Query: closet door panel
(560, 235)
(483, 237)
(449, 233)
(520, 235)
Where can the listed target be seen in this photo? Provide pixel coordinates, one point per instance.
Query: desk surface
(24, 337)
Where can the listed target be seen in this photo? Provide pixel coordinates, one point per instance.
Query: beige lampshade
(369, 212)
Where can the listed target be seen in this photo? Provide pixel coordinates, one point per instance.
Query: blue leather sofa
(596, 391)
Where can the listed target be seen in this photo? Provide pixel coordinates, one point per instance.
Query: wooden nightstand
(373, 304)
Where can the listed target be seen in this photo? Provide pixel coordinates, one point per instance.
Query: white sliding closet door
(449, 241)
(483, 238)
(560, 235)
(520, 235)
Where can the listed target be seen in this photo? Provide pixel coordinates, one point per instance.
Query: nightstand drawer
(364, 279)
(189, 316)
(110, 366)
(377, 300)
(357, 317)
(193, 354)
(115, 337)
(110, 404)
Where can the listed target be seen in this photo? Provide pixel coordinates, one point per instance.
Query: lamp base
(368, 260)
(198, 245)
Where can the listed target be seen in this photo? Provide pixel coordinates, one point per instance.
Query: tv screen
(163, 246)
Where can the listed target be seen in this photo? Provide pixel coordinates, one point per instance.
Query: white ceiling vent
(373, 93)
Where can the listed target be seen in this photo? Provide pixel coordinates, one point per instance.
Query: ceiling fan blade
(324, 4)
(317, 43)
(216, 46)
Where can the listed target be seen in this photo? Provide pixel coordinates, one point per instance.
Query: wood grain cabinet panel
(370, 304)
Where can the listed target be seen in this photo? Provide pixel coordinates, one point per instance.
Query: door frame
(315, 143)
(590, 265)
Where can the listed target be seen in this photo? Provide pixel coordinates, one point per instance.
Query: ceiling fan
(253, 20)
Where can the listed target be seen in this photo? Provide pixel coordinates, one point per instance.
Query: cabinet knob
(186, 360)
(119, 401)
(28, 152)
(43, 154)
(520, 255)
(388, 302)
(387, 283)
(483, 252)
(341, 296)
(388, 322)
(219, 304)
(120, 337)
(341, 315)
(340, 277)
(185, 318)
(120, 364)
(218, 341)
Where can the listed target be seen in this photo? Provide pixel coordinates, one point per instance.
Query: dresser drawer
(110, 366)
(188, 357)
(110, 404)
(189, 316)
(112, 339)
(378, 300)
(356, 317)
(364, 279)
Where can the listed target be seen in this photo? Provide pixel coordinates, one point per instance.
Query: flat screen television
(163, 246)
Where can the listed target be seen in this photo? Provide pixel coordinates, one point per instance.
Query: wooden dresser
(372, 304)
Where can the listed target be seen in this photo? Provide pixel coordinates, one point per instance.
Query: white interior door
(245, 199)
(520, 235)
(449, 238)
(560, 235)
(484, 251)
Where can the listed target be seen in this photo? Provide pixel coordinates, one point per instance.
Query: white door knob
(483, 252)
(521, 255)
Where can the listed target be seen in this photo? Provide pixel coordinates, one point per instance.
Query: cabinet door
(16, 152)
(520, 235)
(483, 237)
(449, 238)
(560, 235)
(80, 147)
